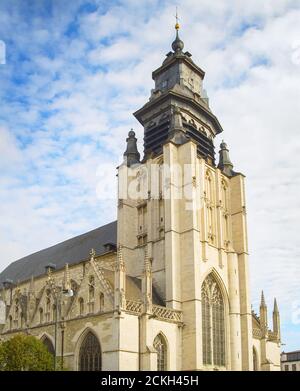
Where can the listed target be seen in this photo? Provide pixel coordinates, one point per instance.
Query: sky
(72, 74)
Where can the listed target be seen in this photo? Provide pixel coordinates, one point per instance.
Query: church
(166, 286)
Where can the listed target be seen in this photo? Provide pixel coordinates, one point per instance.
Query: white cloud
(71, 111)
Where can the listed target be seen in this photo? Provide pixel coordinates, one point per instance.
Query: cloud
(75, 73)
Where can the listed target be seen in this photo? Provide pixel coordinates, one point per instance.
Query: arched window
(90, 354)
(101, 302)
(47, 309)
(10, 322)
(255, 361)
(41, 315)
(81, 306)
(49, 345)
(213, 323)
(91, 288)
(54, 312)
(161, 347)
(91, 294)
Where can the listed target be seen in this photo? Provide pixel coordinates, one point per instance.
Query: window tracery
(161, 348)
(90, 354)
(213, 323)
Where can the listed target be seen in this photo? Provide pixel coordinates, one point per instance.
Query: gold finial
(177, 27)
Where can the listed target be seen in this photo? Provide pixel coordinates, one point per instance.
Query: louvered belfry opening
(156, 135)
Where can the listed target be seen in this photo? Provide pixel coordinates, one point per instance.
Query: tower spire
(177, 26)
(178, 44)
(263, 314)
(276, 320)
(262, 300)
(225, 164)
(131, 155)
(275, 306)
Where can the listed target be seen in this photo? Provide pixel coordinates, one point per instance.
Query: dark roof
(71, 251)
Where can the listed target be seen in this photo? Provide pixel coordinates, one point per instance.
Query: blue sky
(75, 72)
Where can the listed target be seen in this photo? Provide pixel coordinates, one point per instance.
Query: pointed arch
(81, 306)
(48, 343)
(255, 360)
(101, 302)
(213, 322)
(90, 354)
(161, 346)
(41, 315)
(220, 282)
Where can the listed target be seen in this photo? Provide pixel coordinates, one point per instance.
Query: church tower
(187, 215)
(166, 287)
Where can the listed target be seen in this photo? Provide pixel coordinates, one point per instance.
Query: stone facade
(175, 294)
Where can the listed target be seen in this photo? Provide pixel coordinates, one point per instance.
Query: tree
(24, 353)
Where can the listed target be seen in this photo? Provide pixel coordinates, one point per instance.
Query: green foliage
(24, 353)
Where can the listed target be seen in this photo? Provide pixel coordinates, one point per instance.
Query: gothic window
(90, 354)
(161, 347)
(213, 323)
(209, 196)
(91, 288)
(91, 293)
(101, 302)
(142, 218)
(81, 306)
(10, 322)
(255, 363)
(49, 345)
(54, 312)
(41, 315)
(224, 195)
(48, 308)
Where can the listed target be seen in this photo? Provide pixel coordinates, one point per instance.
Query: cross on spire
(177, 26)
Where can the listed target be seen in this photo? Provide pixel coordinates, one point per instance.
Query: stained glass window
(90, 354)
(161, 348)
(213, 323)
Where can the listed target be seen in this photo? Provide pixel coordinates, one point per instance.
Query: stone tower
(188, 215)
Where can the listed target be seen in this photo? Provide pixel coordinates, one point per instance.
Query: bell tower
(178, 82)
(187, 215)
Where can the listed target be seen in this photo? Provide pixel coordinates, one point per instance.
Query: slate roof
(70, 251)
